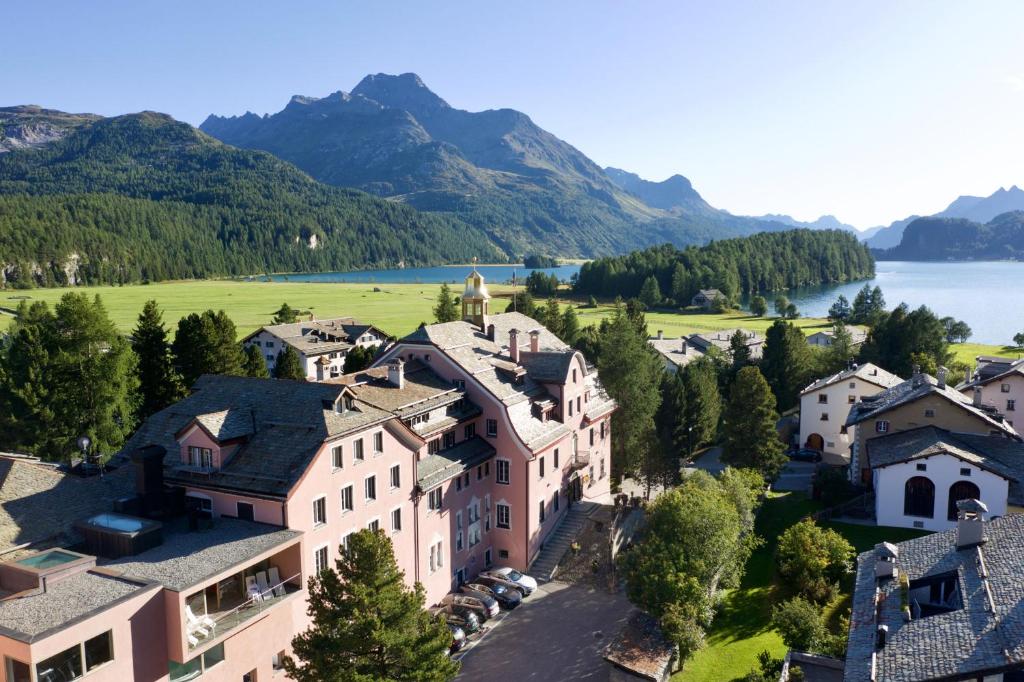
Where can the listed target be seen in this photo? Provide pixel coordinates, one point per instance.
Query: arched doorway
(961, 490)
(919, 497)
(815, 442)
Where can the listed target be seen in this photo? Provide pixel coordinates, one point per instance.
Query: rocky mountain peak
(404, 91)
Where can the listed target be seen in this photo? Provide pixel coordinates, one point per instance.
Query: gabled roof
(912, 390)
(986, 634)
(672, 350)
(316, 337)
(1014, 368)
(873, 374)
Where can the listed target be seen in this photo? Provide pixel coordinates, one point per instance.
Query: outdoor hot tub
(114, 535)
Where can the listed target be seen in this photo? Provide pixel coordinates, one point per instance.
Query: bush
(814, 559)
(800, 624)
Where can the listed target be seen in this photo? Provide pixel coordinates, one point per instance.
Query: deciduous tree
(813, 559)
(758, 305)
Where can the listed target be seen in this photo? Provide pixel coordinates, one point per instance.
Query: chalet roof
(709, 293)
(422, 389)
(317, 337)
(1003, 369)
(987, 634)
(914, 389)
(672, 350)
(873, 374)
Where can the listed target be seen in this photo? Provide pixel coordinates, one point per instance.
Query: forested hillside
(769, 261)
(935, 238)
(145, 197)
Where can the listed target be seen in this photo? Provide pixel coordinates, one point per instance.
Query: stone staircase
(557, 543)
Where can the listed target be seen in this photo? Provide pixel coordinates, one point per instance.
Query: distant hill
(496, 169)
(825, 222)
(143, 196)
(943, 238)
(28, 126)
(974, 209)
(675, 193)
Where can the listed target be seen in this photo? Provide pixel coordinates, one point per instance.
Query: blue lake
(980, 293)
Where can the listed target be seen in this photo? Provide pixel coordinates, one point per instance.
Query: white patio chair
(193, 641)
(199, 626)
(252, 589)
(261, 580)
(275, 580)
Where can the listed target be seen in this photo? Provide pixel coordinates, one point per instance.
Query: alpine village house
(466, 442)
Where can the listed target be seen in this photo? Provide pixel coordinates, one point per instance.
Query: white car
(521, 580)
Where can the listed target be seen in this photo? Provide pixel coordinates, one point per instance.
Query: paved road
(559, 633)
(709, 461)
(796, 476)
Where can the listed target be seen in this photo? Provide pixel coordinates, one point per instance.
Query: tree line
(764, 262)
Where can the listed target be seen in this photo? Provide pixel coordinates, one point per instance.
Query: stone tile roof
(316, 337)
(857, 335)
(290, 419)
(438, 468)
(225, 425)
(672, 350)
(873, 374)
(488, 362)
(31, 614)
(422, 389)
(1003, 368)
(722, 339)
(912, 390)
(187, 558)
(954, 645)
(39, 503)
(641, 648)
(1002, 456)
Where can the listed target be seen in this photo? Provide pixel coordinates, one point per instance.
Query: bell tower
(475, 300)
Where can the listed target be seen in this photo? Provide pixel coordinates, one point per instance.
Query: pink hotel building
(466, 443)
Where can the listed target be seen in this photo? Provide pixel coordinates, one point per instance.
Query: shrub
(814, 559)
(800, 624)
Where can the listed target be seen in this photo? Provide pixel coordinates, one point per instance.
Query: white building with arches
(920, 474)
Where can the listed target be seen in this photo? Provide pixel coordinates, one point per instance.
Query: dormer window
(200, 457)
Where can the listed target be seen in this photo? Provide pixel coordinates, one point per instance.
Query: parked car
(526, 584)
(458, 638)
(492, 582)
(805, 455)
(464, 617)
(484, 609)
(505, 594)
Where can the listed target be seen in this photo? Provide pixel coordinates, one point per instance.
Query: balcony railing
(581, 460)
(227, 620)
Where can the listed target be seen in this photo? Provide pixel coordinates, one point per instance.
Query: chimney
(149, 477)
(513, 345)
(684, 345)
(396, 372)
(916, 379)
(886, 554)
(940, 374)
(882, 634)
(490, 332)
(661, 334)
(977, 396)
(970, 523)
(535, 341)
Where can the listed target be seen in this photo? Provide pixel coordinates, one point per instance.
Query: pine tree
(650, 292)
(285, 315)
(359, 358)
(785, 362)
(553, 318)
(702, 403)
(289, 365)
(570, 325)
(841, 351)
(205, 344)
(840, 310)
(751, 439)
(367, 625)
(160, 384)
(255, 365)
(738, 349)
(446, 310)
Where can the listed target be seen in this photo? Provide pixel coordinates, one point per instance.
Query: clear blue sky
(867, 110)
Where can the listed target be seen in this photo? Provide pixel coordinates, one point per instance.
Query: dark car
(466, 618)
(507, 596)
(805, 455)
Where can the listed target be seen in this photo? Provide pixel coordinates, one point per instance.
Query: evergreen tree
(898, 335)
(367, 625)
(841, 351)
(751, 439)
(254, 365)
(840, 310)
(522, 302)
(205, 343)
(868, 306)
(781, 306)
(680, 285)
(446, 309)
(289, 365)
(65, 374)
(160, 384)
(650, 293)
(570, 325)
(759, 306)
(786, 362)
(702, 403)
(552, 318)
(739, 351)
(359, 358)
(630, 371)
(285, 315)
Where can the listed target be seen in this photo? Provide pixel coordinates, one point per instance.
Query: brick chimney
(513, 345)
(535, 341)
(396, 373)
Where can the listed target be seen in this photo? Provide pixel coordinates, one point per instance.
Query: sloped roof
(953, 645)
(672, 350)
(642, 648)
(438, 468)
(316, 337)
(873, 374)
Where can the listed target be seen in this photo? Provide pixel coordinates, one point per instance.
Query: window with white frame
(378, 442)
(436, 555)
(337, 457)
(320, 511)
(458, 531)
(200, 457)
(434, 499)
(347, 501)
(396, 520)
(396, 476)
(1004, 388)
(881, 426)
(357, 450)
(503, 469)
(346, 541)
(373, 526)
(492, 428)
(504, 515)
(320, 559)
(370, 488)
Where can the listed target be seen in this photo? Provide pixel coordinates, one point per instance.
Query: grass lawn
(742, 627)
(396, 308)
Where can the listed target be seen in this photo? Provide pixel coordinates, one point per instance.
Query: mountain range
(954, 238)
